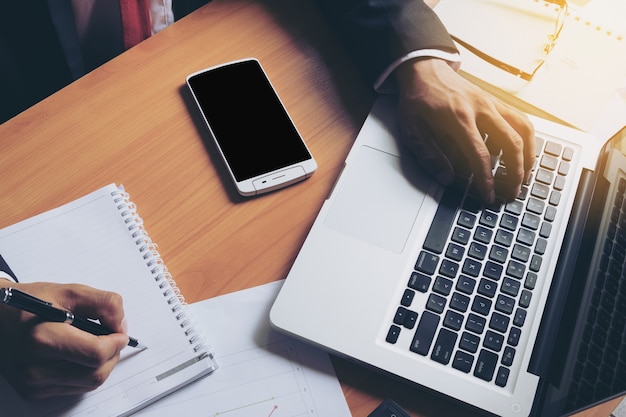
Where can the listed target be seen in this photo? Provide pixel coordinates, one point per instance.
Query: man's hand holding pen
(44, 359)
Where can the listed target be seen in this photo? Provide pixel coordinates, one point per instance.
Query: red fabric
(135, 21)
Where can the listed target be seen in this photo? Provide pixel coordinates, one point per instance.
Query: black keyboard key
(407, 297)
(466, 284)
(493, 341)
(475, 323)
(453, 320)
(504, 238)
(523, 194)
(514, 207)
(553, 148)
(481, 305)
(489, 219)
(469, 342)
(449, 268)
(466, 219)
(559, 183)
(455, 252)
(521, 253)
(530, 281)
(531, 221)
(535, 263)
(487, 287)
(436, 303)
(508, 356)
(540, 191)
(471, 267)
(505, 304)
(443, 285)
(502, 376)
(400, 314)
(477, 251)
(541, 246)
(514, 336)
(493, 270)
(483, 235)
(549, 162)
(426, 263)
(535, 206)
(486, 365)
(393, 334)
(498, 254)
(419, 282)
(508, 222)
(461, 235)
(459, 302)
(425, 333)
(520, 317)
(525, 298)
(444, 346)
(525, 236)
(499, 322)
(510, 287)
(410, 319)
(515, 269)
(545, 230)
(463, 362)
(568, 153)
(544, 176)
(443, 220)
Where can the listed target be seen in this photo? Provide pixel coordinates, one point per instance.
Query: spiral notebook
(99, 240)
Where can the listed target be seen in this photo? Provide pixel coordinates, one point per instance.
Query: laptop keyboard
(601, 364)
(478, 268)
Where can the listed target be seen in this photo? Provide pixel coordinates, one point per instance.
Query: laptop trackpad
(378, 198)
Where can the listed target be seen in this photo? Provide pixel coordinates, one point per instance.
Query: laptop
(514, 309)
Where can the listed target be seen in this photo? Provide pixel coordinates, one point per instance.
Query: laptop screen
(587, 363)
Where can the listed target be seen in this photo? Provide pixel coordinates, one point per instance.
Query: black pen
(45, 310)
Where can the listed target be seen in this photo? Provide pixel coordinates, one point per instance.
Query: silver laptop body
(458, 311)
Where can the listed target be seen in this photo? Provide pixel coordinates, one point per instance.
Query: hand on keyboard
(443, 116)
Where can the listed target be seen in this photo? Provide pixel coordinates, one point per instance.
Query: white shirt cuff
(4, 275)
(382, 85)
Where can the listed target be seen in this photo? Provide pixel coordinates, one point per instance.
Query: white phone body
(252, 130)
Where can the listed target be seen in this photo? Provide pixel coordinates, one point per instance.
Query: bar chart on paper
(262, 373)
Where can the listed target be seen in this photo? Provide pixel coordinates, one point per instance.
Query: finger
(62, 342)
(479, 159)
(514, 152)
(513, 157)
(524, 127)
(62, 378)
(90, 302)
(421, 142)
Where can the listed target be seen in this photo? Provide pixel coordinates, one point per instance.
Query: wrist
(421, 69)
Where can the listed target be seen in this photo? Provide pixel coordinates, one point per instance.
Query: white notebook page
(87, 242)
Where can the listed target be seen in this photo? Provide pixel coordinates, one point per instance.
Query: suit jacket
(40, 50)
(378, 32)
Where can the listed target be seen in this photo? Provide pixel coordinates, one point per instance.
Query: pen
(45, 310)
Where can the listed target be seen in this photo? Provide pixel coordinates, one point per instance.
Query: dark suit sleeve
(378, 32)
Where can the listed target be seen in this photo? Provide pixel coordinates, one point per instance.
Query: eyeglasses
(552, 39)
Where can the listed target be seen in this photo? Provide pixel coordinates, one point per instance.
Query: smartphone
(253, 132)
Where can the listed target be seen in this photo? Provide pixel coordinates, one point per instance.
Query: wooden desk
(131, 122)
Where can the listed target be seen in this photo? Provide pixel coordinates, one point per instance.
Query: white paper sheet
(262, 373)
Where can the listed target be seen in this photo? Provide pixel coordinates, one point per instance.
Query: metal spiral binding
(154, 262)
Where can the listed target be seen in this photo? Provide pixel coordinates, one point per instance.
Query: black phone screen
(247, 119)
